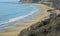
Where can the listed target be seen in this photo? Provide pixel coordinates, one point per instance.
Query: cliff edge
(48, 27)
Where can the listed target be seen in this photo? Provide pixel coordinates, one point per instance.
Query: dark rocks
(48, 27)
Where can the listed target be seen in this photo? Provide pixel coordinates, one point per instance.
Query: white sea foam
(12, 20)
(18, 18)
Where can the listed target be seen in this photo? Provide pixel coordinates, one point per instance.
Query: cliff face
(29, 1)
(48, 27)
(50, 3)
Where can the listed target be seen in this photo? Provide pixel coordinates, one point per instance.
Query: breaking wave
(13, 21)
(20, 19)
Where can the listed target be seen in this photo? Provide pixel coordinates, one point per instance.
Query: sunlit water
(11, 12)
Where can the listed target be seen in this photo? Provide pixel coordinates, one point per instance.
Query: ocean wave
(18, 18)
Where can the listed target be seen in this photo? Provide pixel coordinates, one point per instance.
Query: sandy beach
(42, 15)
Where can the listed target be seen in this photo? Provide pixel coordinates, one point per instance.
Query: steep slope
(48, 27)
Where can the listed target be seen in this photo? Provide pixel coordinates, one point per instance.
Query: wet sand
(15, 31)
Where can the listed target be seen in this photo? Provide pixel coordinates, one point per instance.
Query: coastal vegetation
(48, 27)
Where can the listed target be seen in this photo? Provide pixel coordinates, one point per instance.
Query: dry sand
(16, 31)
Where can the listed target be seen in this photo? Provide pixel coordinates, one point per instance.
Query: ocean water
(2, 30)
(11, 12)
(8, 11)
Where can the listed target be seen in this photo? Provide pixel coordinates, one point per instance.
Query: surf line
(18, 18)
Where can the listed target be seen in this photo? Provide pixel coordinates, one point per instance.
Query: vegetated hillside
(48, 27)
(51, 3)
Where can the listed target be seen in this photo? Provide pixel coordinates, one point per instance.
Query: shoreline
(16, 20)
(40, 17)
